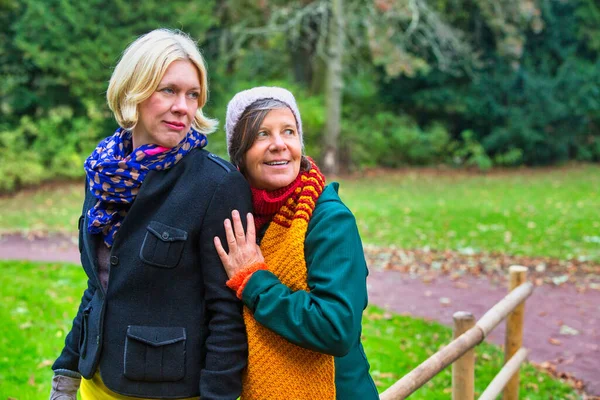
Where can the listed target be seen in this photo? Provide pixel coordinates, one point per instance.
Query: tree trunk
(333, 92)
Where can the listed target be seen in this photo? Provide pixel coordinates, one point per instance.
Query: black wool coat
(167, 326)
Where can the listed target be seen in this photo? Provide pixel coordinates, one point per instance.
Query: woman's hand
(64, 388)
(243, 250)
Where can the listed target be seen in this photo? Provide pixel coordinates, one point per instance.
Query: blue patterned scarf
(115, 173)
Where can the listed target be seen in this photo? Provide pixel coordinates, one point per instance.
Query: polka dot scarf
(115, 173)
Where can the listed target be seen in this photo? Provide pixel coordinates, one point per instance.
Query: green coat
(328, 318)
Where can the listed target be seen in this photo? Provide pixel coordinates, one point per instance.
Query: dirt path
(562, 324)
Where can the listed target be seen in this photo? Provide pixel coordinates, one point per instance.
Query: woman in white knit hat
(304, 288)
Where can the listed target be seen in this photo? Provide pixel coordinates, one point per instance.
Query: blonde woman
(156, 319)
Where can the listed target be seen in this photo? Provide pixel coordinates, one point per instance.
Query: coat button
(165, 235)
(114, 260)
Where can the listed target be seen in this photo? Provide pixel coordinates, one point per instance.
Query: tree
(57, 57)
(333, 92)
(404, 38)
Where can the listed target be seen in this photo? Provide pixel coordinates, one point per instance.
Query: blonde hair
(142, 67)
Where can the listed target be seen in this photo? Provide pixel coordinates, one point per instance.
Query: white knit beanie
(242, 100)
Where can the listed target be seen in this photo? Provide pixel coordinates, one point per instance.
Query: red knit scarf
(267, 203)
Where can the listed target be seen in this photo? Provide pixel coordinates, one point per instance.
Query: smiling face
(167, 115)
(273, 160)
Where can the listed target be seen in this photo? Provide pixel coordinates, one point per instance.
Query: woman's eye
(289, 132)
(261, 134)
(167, 90)
(194, 95)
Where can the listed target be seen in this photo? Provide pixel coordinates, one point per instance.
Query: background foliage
(467, 83)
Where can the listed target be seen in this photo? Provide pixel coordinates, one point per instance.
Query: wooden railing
(467, 335)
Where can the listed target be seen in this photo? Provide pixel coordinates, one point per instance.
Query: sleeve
(226, 345)
(68, 361)
(328, 317)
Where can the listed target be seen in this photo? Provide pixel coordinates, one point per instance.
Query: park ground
(436, 242)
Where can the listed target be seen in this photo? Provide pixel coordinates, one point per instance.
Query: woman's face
(166, 117)
(273, 160)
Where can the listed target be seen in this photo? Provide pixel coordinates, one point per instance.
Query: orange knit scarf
(278, 369)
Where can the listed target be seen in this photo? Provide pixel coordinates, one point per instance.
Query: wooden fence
(460, 352)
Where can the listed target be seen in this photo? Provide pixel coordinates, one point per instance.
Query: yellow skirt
(94, 389)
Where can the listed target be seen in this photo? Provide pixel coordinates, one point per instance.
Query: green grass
(39, 301)
(396, 344)
(49, 209)
(550, 212)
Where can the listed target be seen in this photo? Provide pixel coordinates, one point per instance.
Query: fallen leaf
(26, 325)
(31, 381)
(445, 301)
(374, 317)
(567, 330)
(45, 363)
(554, 342)
(559, 280)
(533, 386)
(541, 267)
(569, 361)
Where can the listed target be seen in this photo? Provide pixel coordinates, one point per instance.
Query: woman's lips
(175, 125)
(277, 164)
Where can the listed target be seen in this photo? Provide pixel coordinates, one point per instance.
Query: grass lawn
(40, 299)
(546, 212)
(52, 208)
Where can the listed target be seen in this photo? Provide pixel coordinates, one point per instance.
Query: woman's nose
(277, 142)
(180, 105)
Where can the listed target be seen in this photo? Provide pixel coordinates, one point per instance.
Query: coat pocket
(89, 336)
(83, 333)
(155, 354)
(163, 245)
(80, 228)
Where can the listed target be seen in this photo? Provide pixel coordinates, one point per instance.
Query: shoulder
(330, 200)
(204, 165)
(209, 161)
(331, 210)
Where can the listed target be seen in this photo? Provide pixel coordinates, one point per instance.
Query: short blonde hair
(142, 67)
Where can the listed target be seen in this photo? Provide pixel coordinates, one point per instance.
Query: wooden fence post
(463, 369)
(514, 331)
